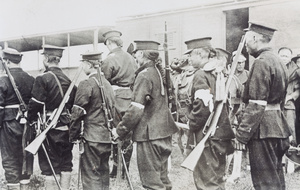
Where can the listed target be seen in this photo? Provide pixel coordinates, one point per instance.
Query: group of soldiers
(125, 99)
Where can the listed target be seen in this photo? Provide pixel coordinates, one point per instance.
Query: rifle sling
(60, 88)
(58, 83)
(14, 84)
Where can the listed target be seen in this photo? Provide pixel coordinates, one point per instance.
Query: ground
(182, 179)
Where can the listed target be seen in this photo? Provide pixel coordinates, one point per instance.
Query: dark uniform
(152, 124)
(118, 69)
(97, 146)
(11, 130)
(46, 92)
(263, 127)
(210, 169)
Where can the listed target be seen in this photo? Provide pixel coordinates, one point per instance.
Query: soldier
(296, 60)
(293, 90)
(97, 141)
(12, 130)
(118, 69)
(149, 118)
(208, 173)
(47, 93)
(263, 126)
(292, 94)
(237, 86)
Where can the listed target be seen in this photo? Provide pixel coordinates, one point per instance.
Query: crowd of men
(125, 99)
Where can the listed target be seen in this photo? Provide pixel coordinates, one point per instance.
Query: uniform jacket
(148, 115)
(204, 80)
(88, 107)
(267, 83)
(293, 88)
(46, 92)
(119, 68)
(24, 82)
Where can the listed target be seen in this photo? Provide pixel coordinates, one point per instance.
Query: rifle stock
(37, 142)
(192, 159)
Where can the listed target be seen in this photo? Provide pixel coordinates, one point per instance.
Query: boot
(65, 179)
(50, 182)
(24, 184)
(13, 186)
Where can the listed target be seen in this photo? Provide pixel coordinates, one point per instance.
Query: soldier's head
(257, 37)
(91, 61)
(112, 39)
(285, 54)
(296, 60)
(199, 51)
(52, 55)
(240, 63)
(12, 56)
(146, 50)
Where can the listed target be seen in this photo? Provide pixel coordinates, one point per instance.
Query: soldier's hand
(238, 145)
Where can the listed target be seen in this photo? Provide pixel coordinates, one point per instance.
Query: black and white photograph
(149, 95)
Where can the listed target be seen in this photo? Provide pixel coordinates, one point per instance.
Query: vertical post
(43, 44)
(5, 45)
(68, 50)
(95, 43)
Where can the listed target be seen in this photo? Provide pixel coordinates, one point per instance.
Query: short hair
(94, 63)
(53, 59)
(265, 38)
(206, 52)
(152, 55)
(117, 40)
(282, 48)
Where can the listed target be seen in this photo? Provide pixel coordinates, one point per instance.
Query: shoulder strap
(58, 83)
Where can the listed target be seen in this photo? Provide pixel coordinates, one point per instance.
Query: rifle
(125, 167)
(110, 124)
(52, 121)
(107, 112)
(81, 151)
(22, 107)
(40, 122)
(167, 67)
(27, 167)
(192, 159)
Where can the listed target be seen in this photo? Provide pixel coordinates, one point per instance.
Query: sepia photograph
(149, 95)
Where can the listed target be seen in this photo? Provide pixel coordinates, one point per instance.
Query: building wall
(180, 26)
(285, 17)
(198, 23)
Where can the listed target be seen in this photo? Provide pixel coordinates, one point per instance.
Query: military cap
(242, 58)
(110, 34)
(53, 50)
(12, 55)
(261, 29)
(197, 43)
(91, 56)
(146, 45)
(294, 59)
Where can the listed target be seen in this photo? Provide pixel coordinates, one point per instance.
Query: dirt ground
(182, 179)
